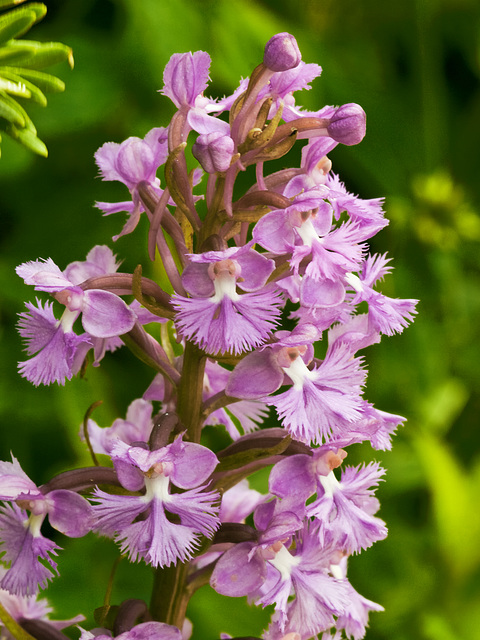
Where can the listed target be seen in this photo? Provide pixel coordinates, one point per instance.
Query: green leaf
(17, 52)
(28, 87)
(48, 53)
(16, 23)
(14, 87)
(11, 110)
(44, 81)
(28, 138)
(35, 55)
(4, 4)
(453, 498)
(38, 8)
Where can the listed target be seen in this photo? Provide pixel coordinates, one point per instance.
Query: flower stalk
(268, 273)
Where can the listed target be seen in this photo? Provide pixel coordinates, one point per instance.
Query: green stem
(169, 595)
(190, 390)
(12, 625)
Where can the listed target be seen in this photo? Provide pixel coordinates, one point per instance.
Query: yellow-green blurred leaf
(14, 86)
(29, 88)
(440, 408)
(436, 627)
(454, 504)
(16, 23)
(11, 110)
(35, 55)
(4, 4)
(48, 53)
(44, 81)
(28, 138)
(17, 52)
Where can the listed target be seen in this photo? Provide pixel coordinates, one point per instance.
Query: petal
(256, 270)
(203, 123)
(235, 574)
(196, 280)
(106, 315)
(193, 466)
(43, 274)
(151, 631)
(14, 481)
(274, 232)
(105, 158)
(70, 513)
(100, 261)
(321, 293)
(293, 476)
(186, 76)
(257, 375)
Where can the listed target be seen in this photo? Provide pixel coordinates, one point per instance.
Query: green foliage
(19, 75)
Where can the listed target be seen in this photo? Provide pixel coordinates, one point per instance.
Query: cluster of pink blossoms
(258, 279)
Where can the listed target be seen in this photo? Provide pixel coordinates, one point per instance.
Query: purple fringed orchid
(132, 162)
(136, 427)
(270, 573)
(56, 351)
(139, 522)
(22, 608)
(343, 510)
(322, 403)
(216, 316)
(291, 247)
(214, 151)
(22, 542)
(59, 350)
(283, 84)
(368, 214)
(185, 78)
(386, 315)
(304, 229)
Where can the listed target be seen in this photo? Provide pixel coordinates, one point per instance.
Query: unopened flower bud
(282, 53)
(214, 151)
(348, 124)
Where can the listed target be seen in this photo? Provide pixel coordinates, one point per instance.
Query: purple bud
(214, 151)
(282, 53)
(348, 124)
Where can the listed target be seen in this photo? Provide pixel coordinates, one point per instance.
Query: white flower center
(225, 286)
(34, 524)
(157, 489)
(284, 562)
(307, 232)
(354, 281)
(224, 275)
(68, 319)
(329, 483)
(298, 372)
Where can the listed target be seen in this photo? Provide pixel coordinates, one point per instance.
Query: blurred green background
(415, 68)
